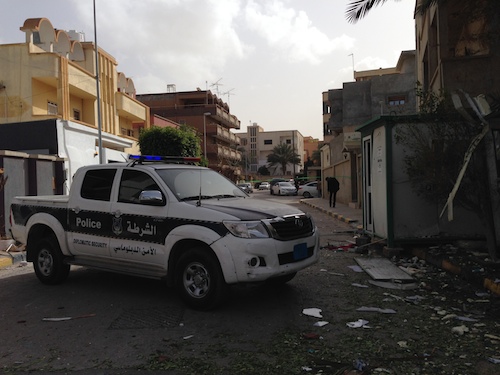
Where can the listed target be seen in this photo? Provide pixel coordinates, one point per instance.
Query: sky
(270, 60)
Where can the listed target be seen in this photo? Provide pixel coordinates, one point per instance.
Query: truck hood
(250, 209)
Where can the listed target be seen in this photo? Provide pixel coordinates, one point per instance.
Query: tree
(170, 141)
(357, 9)
(435, 154)
(263, 171)
(282, 155)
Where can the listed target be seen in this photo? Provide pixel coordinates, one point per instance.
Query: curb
(331, 213)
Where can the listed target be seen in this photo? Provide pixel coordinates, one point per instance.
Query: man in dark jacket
(333, 186)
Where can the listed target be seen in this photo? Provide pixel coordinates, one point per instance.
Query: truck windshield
(185, 184)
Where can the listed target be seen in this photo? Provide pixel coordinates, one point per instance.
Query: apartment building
(50, 99)
(258, 144)
(375, 93)
(210, 116)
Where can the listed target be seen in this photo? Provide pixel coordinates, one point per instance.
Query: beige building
(51, 79)
(258, 144)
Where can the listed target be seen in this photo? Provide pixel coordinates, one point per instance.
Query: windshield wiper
(220, 196)
(194, 197)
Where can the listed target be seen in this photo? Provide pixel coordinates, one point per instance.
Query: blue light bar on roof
(164, 158)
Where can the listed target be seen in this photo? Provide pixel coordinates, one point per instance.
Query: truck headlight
(247, 229)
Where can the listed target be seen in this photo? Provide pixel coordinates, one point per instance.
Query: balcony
(226, 153)
(223, 134)
(130, 108)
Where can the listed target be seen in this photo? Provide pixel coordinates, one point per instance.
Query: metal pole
(99, 125)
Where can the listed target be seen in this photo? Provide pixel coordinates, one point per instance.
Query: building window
(288, 141)
(51, 108)
(268, 141)
(396, 100)
(76, 114)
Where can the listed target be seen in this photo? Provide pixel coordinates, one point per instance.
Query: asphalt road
(126, 325)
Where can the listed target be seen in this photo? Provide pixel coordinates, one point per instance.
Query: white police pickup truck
(167, 220)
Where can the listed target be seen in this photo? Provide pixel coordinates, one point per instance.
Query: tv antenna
(228, 93)
(217, 84)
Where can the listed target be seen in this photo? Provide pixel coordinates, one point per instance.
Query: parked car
(284, 188)
(246, 187)
(273, 182)
(309, 190)
(264, 185)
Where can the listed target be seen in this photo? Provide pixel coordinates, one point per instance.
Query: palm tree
(357, 9)
(282, 155)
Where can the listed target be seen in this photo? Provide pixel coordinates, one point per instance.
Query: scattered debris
(360, 323)
(320, 324)
(315, 312)
(394, 284)
(356, 268)
(359, 285)
(376, 309)
(460, 330)
(67, 318)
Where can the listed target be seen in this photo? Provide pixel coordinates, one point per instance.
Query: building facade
(50, 80)
(375, 93)
(212, 119)
(258, 144)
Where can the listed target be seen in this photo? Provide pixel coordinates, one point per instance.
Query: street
(103, 323)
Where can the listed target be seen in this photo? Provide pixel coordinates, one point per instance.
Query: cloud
(291, 32)
(189, 40)
(370, 62)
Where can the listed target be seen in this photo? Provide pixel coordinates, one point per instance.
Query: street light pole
(205, 134)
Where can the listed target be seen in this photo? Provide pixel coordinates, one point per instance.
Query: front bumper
(256, 260)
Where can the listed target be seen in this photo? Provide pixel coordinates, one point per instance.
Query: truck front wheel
(49, 262)
(199, 280)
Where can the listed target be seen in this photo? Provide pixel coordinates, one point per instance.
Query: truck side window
(97, 184)
(132, 183)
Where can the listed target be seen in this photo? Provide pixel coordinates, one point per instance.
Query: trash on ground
(359, 285)
(376, 309)
(356, 268)
(188, 337)
(67, 318)
(394, 284)
(360, 323)
(360, 364)
(460, 330)
(320, 324)
(315, 312)
(403, 344)
(496, 361)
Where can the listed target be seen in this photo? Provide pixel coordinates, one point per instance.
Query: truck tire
(49, 262)
(199, 279)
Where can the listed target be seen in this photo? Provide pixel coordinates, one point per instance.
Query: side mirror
(151, 197)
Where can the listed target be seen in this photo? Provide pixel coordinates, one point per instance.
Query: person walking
(333, 186)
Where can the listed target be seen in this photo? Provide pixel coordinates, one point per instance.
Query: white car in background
(309, 190)
(264, 185)
(284, 188)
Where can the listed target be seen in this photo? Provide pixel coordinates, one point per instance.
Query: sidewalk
(340, 212)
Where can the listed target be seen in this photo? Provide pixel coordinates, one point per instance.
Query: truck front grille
(292, 227)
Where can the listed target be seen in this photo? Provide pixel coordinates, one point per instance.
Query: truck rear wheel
(199, 279)
(49, 262)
